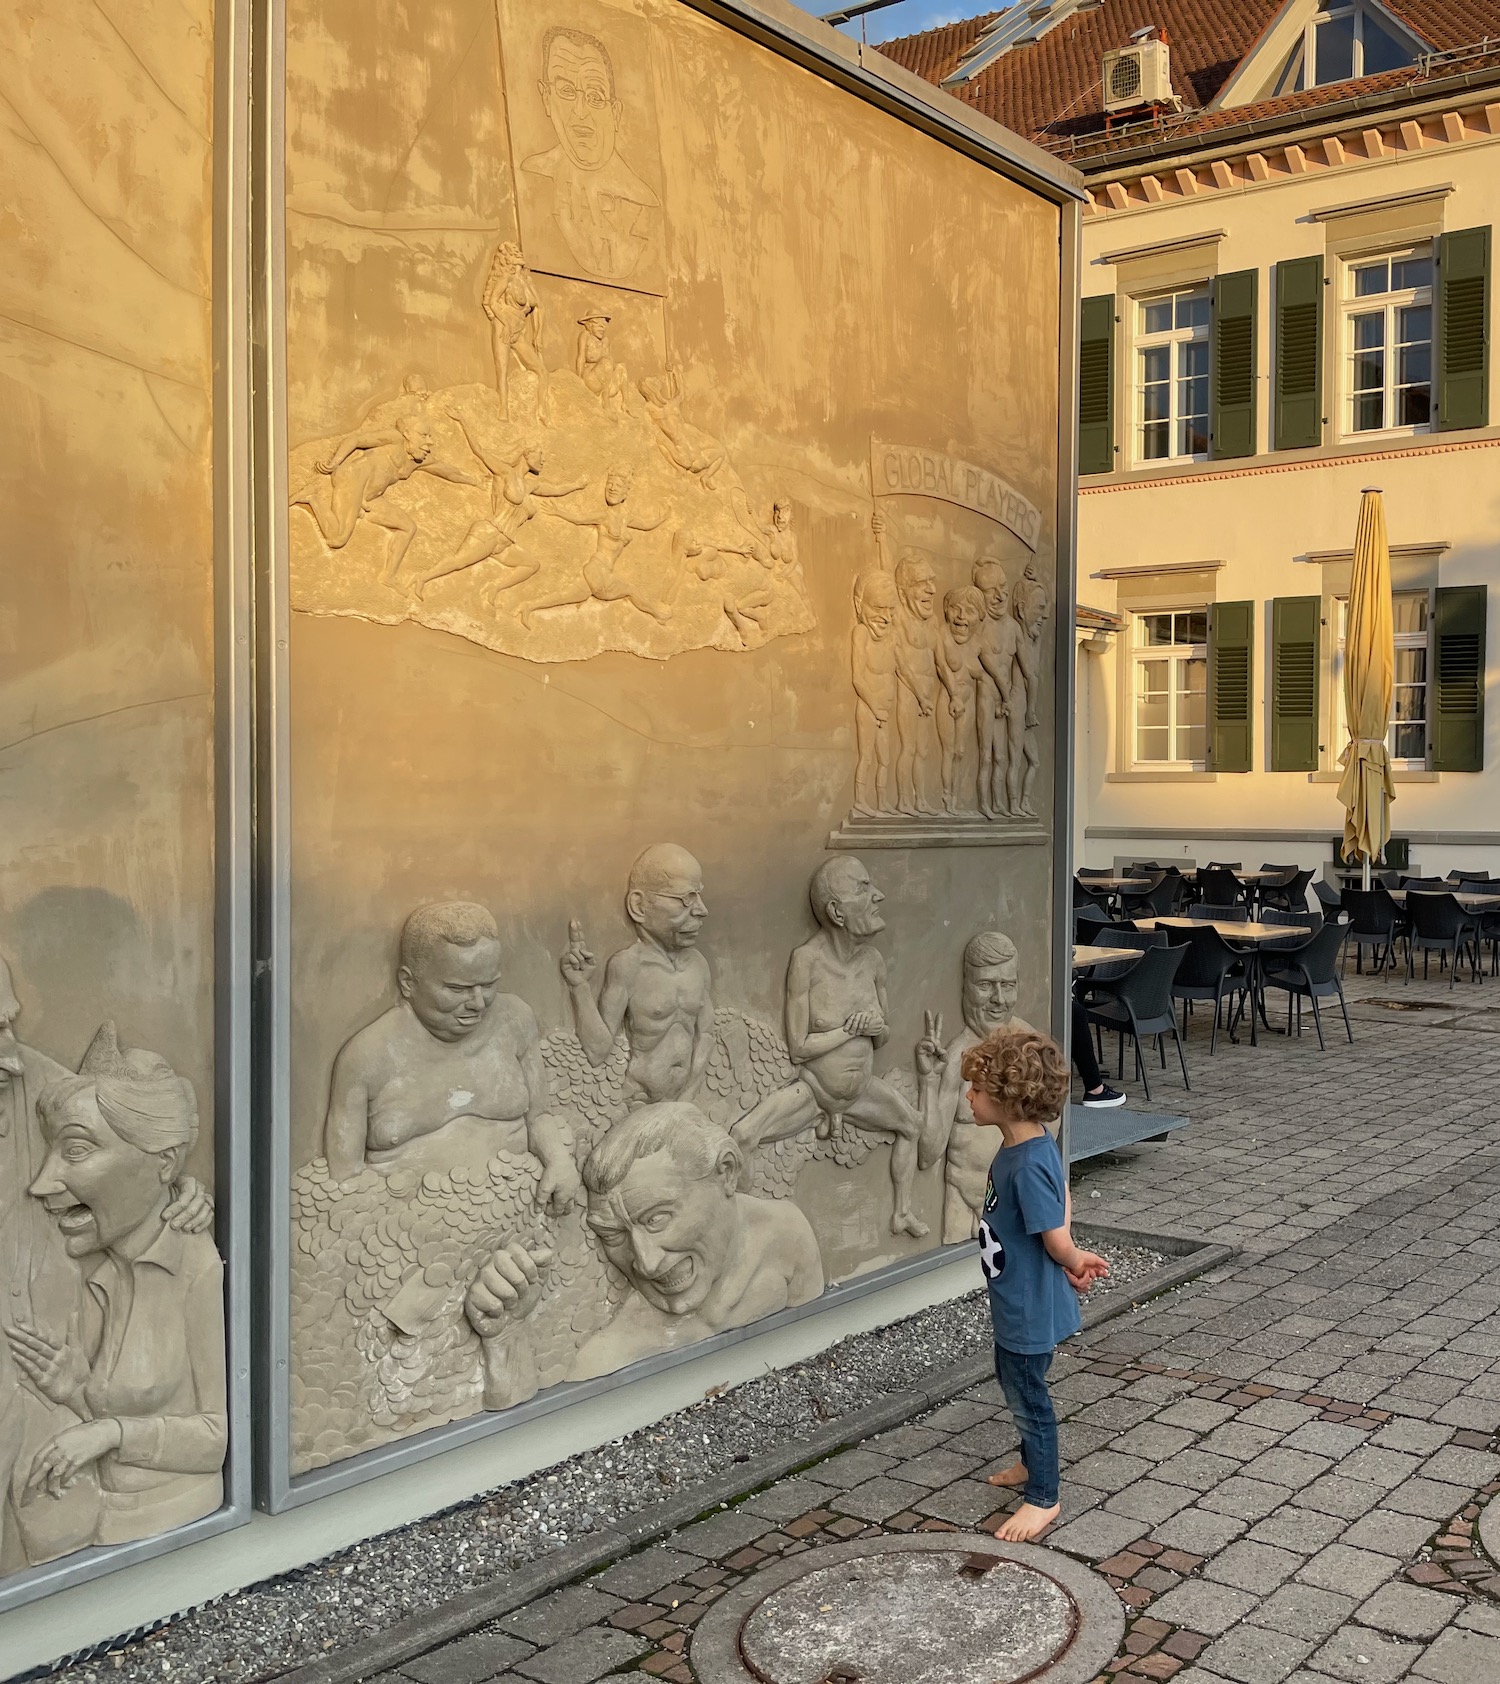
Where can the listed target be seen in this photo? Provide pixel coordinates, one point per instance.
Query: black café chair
(1220, 914)
(1159, 901)
(1310, 971)
(1306, 923)
(1290, 896)
(1218, 886)
(1375, 921)
(1210, 970)
(1088, 921)
(1095, 871)
(1329, 898)
(1140, 1005)
(1224, 865)
(1083, 896)
(1115, 935)
(1439, 924)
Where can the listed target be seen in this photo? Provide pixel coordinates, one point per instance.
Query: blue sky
(906, 17)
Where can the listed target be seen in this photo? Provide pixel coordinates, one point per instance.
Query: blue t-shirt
(1032, 1304)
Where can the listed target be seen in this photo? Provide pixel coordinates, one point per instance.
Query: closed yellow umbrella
(1366, 789)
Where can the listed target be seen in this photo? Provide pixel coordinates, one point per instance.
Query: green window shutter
(1295, 623)
(1298, 423)
(1096, 386)
(1231, 633)
(1232, 363)
(1456, 699)
(1463, 329)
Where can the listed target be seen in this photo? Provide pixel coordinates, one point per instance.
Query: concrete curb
(431, 1627)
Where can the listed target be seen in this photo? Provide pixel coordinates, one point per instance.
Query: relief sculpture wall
(113, 1416)
(672, 447)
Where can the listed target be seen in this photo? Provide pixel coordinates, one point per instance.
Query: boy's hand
(1087, 1268)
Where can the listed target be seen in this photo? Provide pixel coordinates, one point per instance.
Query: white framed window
(1386, 332)
(1171, 375)
(1346, 39)
(1407, 739)
(1169, 690)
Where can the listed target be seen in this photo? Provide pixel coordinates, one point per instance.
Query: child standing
(1035, 1273)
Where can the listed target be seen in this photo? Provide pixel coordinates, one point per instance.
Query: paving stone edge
(429, 1628)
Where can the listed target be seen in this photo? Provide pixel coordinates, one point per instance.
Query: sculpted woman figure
(146, 1372)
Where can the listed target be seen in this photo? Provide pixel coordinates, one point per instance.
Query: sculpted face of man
(616, 487)
(854, 901)
(990, 995)
(877, 605)
(418, 440)
(665, 897)
(668, 1230)
(451, 987)
(989, 576)
(578, 95)
(917, 584)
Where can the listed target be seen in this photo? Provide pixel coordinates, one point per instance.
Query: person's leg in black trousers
(1097, 1093)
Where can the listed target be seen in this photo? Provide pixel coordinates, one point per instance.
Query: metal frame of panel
(791, 34)
(232, 816)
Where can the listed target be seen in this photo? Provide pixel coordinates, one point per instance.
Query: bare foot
(1015, 1474)
(1027, 1522)
(903, 1222)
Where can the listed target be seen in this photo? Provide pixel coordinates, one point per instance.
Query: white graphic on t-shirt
(991, 1253)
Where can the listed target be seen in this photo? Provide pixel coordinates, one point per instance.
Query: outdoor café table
(1084, 955)
(1471, 903)
(1252, 936)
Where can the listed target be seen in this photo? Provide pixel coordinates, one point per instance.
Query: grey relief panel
(598, 1048)
(113, 1415)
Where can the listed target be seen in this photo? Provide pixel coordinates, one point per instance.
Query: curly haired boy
(1018, 1081)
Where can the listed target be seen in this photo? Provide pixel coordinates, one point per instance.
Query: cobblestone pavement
(1280, 1467)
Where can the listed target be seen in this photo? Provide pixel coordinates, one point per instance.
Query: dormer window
(1346, 39)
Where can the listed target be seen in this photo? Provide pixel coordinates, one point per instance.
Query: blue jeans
(1023, 1379)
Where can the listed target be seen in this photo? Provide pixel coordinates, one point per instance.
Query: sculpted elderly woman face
(95, 1184)
(116, 1134)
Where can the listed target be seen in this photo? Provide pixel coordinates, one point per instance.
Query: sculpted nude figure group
(946, 708)
(351, 481)
(452, 1074)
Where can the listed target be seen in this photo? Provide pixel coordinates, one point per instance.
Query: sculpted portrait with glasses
(607, 215)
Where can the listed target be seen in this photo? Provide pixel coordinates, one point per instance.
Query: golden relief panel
(608, 338)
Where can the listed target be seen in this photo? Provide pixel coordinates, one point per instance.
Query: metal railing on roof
(1428, 63)
(1165, 125)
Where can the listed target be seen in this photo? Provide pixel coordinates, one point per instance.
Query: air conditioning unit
(1140, 74)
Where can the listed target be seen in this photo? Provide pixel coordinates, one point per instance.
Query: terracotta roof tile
(1050, 90)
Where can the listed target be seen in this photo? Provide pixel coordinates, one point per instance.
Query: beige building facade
(1287, 296)
(1179, 755)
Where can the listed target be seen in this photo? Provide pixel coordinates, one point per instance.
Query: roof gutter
(1312, 122)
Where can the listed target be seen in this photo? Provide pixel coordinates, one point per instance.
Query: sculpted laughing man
(453, 1072)
(700, 1256)
(658, 989)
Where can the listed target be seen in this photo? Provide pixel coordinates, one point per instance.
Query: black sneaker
(1104, 1100)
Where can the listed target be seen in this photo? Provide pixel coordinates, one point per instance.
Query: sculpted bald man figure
(991, 966)
(658, 989)
(453, 1072)
(836, 1016)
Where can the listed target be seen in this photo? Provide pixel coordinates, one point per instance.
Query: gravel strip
(260, 1632)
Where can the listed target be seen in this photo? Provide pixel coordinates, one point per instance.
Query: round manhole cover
(928, 1608)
